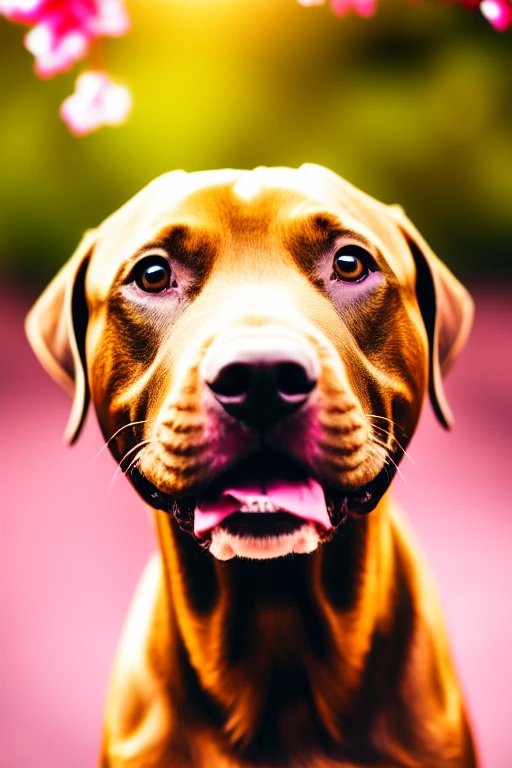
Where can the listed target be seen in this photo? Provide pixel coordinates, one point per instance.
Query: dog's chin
(226, 544)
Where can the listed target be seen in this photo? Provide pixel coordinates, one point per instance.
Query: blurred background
(414, 106)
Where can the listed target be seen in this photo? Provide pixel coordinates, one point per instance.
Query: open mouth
(264, 506)
(262, 485)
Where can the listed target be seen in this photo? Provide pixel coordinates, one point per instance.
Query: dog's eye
(153, 275)
(350, 264)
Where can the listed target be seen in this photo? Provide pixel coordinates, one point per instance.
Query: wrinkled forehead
(227, 206)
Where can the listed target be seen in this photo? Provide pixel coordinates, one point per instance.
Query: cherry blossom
(363, 8)
(498, 13)
(63, 29)
(97, 101)
(63, 32)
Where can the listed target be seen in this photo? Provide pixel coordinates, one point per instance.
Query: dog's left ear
(446, 308)
(56, 326)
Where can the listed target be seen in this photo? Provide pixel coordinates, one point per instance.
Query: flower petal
(97, 101)
(93, 18)
(364, 8)
(112, 19)
(55, 52)
(24, 11)
(498, 13)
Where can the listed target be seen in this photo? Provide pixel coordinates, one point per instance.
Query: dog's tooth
(264, 505)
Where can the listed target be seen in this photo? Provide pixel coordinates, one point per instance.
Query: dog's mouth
(264, 506)
(263, 484)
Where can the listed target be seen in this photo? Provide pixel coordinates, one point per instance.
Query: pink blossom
(97, 101)
(498, 13)
(24, 11)
(55, 50)
(363, 8)
(63, 29)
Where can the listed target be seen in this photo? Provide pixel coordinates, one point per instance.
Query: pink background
(71, 554)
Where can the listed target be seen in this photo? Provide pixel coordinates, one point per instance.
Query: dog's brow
(186, 245)
(312, 235)
(327, 228)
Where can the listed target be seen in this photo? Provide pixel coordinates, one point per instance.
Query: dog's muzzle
(258, 376)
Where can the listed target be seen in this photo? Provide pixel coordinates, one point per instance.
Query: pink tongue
(302, 498)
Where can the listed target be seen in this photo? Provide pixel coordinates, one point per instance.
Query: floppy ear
(55, 328)
(446, 308)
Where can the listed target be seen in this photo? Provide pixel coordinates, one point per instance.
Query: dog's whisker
(379, 441)
(400, 446)
(387, 440)
(389, 433)
(384, 418)
(384, 438)
(385, 433)
(134, 461)
(388, 458)
(112, 437)
(399, 471)
(119, 468)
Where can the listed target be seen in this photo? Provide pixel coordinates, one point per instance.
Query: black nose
(260, 386)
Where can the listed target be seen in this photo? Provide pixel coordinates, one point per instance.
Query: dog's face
(260, 344)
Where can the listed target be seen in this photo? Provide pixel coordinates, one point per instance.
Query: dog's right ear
(446, 308)
(56, 327)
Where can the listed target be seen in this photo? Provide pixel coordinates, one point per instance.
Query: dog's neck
(267, 648)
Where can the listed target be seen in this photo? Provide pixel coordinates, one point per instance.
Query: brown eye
(154, 275)
(349, 264)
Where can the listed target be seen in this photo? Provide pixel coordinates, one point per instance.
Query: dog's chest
(276, 694)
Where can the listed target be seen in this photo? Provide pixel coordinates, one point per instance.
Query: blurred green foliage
(413, 106)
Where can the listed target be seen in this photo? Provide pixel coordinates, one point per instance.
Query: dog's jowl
(258, 346)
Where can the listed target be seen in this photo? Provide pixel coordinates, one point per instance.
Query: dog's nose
(261, 377)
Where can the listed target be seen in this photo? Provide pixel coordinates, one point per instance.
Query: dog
(257, 346)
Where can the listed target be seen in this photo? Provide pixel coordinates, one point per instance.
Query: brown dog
(257, 346)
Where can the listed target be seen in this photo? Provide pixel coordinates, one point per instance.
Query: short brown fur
(328, 660)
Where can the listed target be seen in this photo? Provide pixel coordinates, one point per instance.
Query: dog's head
(257, 346)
